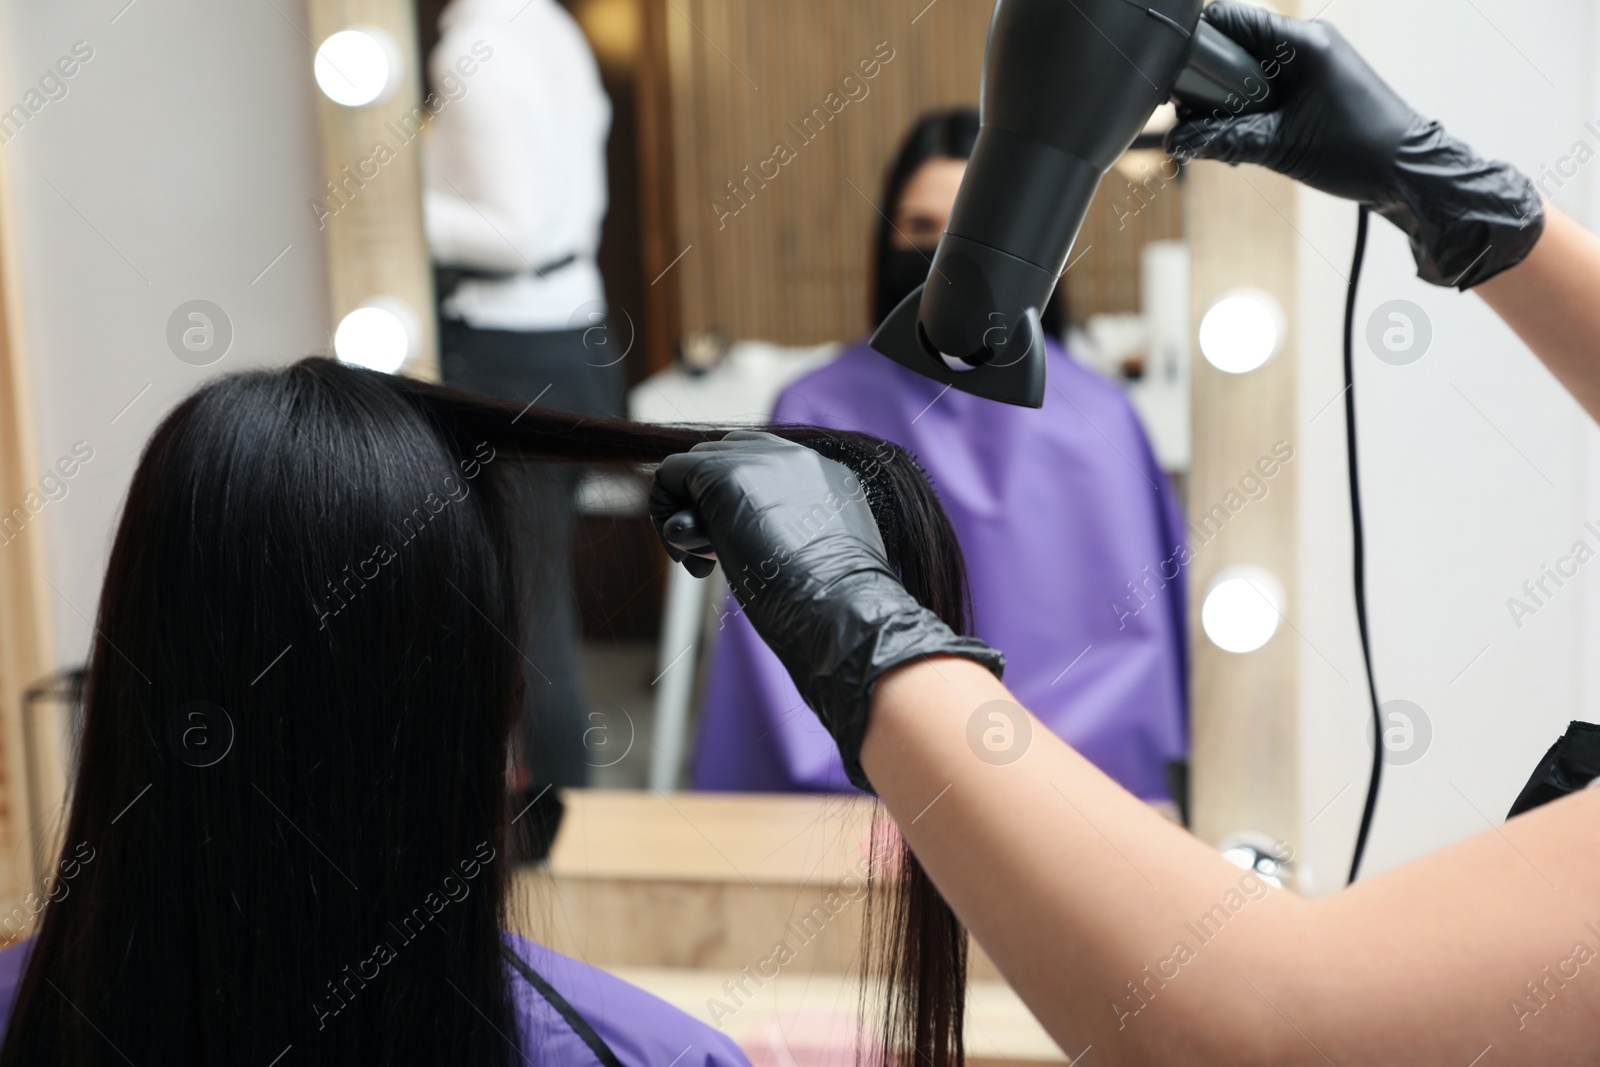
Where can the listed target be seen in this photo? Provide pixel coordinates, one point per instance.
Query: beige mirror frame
(1244, 706)
(32, 763)
(372, 167)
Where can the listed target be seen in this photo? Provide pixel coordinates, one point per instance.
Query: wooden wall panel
(658, 222)
(788, 259)
(1135, 204)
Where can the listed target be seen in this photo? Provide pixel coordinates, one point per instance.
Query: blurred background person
(1065, 518)
(514, 201)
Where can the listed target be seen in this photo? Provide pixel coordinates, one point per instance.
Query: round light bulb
(614, 29)
(358, 66)
(1253, 851)
(1241, 331)
(1242, 609)
(380, 336)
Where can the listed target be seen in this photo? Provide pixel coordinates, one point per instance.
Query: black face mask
(902, 270)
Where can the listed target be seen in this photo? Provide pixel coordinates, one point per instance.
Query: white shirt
(516, 164)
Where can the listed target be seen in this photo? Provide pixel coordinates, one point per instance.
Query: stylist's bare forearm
(1552, 300)
(1072, 885)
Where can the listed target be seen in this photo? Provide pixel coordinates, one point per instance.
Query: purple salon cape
(642, 1030)
(1069, 530)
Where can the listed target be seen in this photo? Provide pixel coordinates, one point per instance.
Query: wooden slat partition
(788, 259)
(1140, 201)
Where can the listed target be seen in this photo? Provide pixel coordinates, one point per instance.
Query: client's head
(919, 194)
(292, 764)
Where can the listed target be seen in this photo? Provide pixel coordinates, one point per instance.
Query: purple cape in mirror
(1071, 533)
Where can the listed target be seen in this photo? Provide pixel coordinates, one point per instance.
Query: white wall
(1476, 466)
(177, 167)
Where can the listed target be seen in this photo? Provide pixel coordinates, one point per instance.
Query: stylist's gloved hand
(1339, 128)
(801, 550)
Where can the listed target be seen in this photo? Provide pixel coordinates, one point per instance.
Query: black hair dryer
(1067, 86)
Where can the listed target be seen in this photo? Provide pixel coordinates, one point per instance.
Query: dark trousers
(564, 375)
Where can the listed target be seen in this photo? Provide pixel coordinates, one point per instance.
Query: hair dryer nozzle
(1012, 370)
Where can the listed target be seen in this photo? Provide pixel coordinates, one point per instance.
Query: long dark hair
(949, 134)
(291, 779)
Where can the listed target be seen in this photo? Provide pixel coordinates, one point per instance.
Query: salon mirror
(737, 251)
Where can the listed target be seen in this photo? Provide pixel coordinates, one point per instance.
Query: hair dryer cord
(1358, 540)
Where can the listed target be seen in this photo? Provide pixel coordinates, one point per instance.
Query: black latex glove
(803, 555)
(1339, 128)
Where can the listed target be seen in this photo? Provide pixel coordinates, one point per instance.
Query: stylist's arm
(1118, 929)
(1013, 848)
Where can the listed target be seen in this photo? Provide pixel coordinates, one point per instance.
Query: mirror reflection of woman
(1051, 577)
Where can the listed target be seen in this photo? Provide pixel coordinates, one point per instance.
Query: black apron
(1570, 765)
